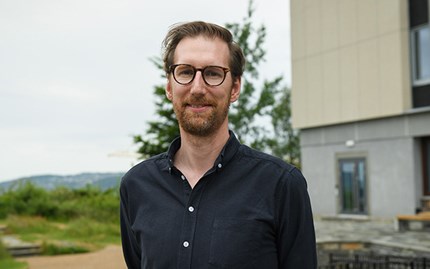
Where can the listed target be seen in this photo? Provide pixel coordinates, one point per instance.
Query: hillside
(102, 180)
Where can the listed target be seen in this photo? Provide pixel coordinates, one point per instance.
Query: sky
(76, 82)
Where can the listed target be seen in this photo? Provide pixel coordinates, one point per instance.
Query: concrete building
(361, 99)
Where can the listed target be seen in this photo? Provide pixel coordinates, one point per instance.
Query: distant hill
(102, 180)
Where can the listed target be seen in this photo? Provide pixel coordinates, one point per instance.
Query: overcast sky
(76, 83)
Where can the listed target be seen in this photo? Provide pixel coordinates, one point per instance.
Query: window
(419, 23)
(420, 44)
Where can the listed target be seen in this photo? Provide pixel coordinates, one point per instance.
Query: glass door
(353, 186)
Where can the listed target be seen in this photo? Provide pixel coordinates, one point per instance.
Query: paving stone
(372, 234)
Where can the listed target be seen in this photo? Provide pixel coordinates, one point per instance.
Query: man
(210, 202)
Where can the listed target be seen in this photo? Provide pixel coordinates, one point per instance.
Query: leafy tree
(162, 130)
(252, 104)
(285, 143)
(256, 105)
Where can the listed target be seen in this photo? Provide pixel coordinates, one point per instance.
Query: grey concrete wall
(393, 162)
(319, 169)
(391, 183)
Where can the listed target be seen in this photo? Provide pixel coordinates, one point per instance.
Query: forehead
(202, 51)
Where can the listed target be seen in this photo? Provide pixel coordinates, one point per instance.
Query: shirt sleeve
(295, 229)
(130, 246)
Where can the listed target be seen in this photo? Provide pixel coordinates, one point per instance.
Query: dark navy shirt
(250, 210)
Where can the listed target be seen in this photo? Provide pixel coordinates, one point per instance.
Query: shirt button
(186, 244)
(191, 209)
(219, 165)
(183, 177)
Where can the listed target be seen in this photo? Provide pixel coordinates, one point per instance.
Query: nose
(198, 85)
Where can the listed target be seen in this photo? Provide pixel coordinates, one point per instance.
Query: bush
(60, 203)
(60, 249)
(27, 199)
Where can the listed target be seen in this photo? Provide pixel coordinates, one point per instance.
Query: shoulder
(256, 156)
(272, 165)
(145, 167)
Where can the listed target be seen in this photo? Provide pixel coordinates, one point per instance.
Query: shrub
(60, 249)
(60, 203)
(27, 199)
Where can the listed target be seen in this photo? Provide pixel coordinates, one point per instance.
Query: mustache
(198, 100)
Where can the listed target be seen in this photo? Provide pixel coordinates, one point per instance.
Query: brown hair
(193, 29)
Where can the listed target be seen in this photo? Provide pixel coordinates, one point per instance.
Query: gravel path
(107, 258)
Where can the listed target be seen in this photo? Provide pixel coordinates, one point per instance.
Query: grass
(9, 263)
(79, 235)
(74, 236)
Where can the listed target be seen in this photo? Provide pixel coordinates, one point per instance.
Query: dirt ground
(107, 258)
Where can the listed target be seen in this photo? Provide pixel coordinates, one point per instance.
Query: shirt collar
(226, 154)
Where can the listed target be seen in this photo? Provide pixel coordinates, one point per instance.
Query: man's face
(202, 109)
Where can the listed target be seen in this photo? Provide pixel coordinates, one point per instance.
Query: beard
(201, 124)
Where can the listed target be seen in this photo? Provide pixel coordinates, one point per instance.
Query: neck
(197, 154)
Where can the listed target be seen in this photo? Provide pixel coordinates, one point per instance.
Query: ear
(235, 91)
(169, 90)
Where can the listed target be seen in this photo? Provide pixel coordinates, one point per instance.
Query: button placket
(191, 205)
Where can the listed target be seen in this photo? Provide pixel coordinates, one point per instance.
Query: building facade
(361, 99)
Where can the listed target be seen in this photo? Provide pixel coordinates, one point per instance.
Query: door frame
(352, 156)
(425, 156)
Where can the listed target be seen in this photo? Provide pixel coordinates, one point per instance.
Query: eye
(184, 71)
(214, 72)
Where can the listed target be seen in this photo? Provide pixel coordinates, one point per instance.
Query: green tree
(164, 128)
(256, 105)
(285, 143)
(253, 105)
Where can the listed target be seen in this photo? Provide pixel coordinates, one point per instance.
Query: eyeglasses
(212, 75)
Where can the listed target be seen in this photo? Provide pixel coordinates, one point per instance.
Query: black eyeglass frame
(202, 71)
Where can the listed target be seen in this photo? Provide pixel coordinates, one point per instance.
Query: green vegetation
(61, 220)
(9, 263)
(3, 252)
(61, 203)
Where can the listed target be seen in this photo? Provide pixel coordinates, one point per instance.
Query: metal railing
(366, 261)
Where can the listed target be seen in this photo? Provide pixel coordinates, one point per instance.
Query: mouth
(198, 108)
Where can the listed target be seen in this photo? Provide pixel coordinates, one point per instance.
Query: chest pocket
(234, 242)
